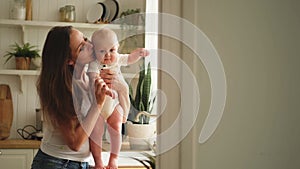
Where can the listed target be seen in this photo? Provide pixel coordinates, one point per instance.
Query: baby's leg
(114, 129)
(96, 142)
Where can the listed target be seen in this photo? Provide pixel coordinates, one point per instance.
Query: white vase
(18, 10)
(141, 135)
(37, 61)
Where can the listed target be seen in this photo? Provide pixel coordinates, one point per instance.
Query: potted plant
(149, 163)
(133, 19)
(23, 55)
(139, 129)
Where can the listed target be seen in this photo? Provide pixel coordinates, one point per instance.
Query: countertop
(19, 143)
(35, 144)
(124, 160)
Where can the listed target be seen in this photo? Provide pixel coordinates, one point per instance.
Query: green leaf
(26, 50)
(146, 88)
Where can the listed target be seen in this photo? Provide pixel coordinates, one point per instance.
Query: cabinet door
(34, 152)
(16, 158)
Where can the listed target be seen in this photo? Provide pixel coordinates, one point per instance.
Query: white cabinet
(16, 158)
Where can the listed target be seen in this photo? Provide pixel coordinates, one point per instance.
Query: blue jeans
(45, 161)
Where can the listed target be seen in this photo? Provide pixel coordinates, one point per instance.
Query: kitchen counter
(35, 144)
(125, 160)
(19, 143)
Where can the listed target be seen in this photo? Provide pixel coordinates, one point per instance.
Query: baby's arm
(92, 77)
(136, 54)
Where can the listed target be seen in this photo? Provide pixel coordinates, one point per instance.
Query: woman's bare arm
(75, 133)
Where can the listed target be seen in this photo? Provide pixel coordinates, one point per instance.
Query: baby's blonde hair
(104, 34)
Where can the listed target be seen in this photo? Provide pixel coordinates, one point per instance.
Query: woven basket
(22, 63)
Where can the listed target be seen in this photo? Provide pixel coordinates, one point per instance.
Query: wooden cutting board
(6, 111)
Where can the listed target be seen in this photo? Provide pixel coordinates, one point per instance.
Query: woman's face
(81, 48)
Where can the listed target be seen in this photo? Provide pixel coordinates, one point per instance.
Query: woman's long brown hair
(55, 81)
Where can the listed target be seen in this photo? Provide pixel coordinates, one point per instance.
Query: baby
(106, 45)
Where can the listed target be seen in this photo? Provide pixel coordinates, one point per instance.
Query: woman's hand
(101, 89)
(113, 80)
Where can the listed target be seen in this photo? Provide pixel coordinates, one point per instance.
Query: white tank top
(53, 143)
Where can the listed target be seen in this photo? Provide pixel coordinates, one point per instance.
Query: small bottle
(70, 14)
(18, 10)
(62, 12)
(28, 9)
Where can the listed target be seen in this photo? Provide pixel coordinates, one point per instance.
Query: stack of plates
(103, 11)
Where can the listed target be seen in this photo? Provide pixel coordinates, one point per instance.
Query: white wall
(49, 9)
(258, 42)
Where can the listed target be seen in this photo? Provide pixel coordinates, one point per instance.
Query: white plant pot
(37, 62)
(141, 135)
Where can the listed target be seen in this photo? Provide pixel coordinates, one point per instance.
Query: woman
(70, 115)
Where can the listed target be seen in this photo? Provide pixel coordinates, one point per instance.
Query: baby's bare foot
(98, 167)
(113, 162)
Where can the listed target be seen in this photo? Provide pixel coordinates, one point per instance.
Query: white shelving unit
(20, 74)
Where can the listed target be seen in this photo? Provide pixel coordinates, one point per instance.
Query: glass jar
(18, 10)
(62, 12)
(70, 14)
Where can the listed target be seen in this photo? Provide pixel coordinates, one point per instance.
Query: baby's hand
(142, 52)
(114, 94)
(101, 89)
